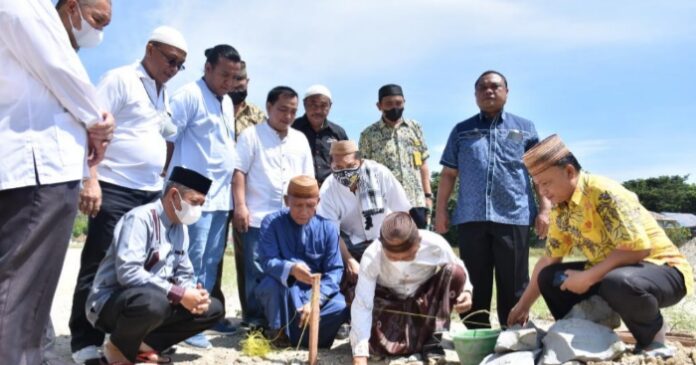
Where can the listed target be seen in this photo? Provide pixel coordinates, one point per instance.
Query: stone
(597, 310)
(511, 358)
(580, 339)
(517, 338)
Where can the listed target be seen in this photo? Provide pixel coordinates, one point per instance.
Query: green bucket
(473, 345)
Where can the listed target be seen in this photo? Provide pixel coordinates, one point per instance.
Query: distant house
(665, 221)
(686, 220)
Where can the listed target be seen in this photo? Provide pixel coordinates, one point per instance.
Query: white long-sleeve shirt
(204, 141)
(375, 268)
(137, 153)
(46, 98)
(343, 207)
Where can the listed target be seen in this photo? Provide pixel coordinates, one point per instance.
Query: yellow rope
(256, 344)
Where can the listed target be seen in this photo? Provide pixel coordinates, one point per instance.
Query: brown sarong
(396, 333)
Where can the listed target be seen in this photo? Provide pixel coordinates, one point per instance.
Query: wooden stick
(314, 320)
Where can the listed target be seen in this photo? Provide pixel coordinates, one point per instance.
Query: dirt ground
(227, 349)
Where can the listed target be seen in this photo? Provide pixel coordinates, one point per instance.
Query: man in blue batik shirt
(296, 244)
(495, 205)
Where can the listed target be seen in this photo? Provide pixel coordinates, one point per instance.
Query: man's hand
(90, 197)
(240, 218)
(541, 224)
(441, 221)
(577, 282)
(360, 360)
(196, 300)
(302, 273)
(305, 314)
(463, 302)
(519, 314)
(99, 135)
(352, 269)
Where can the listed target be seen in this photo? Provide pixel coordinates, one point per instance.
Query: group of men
(163, 177)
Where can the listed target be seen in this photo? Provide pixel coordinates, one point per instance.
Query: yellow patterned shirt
(602, 216)
(249, 115)
(402, 150)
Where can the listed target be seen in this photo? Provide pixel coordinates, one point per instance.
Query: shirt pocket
(71, 137)
(472, 145)
(512, 142)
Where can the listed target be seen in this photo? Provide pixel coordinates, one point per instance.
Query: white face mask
(87, 36)
(402, 265)
(189, 213)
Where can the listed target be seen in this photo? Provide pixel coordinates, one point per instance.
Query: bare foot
(113, 354)
(146, 348)
(661, 335)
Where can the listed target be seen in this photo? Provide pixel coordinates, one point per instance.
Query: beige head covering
(303, 187)
(545, 154)
(398, 227)
(341, 148)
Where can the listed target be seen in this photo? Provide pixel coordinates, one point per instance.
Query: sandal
(656, 349)
(144, 357)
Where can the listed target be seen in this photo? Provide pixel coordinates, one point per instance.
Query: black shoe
(343, 332)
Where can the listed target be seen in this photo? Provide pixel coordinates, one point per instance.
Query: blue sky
(615, 79)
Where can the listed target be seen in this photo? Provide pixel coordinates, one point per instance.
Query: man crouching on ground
(144, 293)
(409, 282)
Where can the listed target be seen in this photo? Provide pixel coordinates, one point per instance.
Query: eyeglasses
(172, 61)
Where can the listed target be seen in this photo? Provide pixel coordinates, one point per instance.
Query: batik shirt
(602, 216)
(248, 116)
(402, 149)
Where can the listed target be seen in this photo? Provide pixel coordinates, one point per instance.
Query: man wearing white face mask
(50, 122)
(145, 293)
(84, 20)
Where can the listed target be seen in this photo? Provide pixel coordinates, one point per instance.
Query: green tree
(665, 193)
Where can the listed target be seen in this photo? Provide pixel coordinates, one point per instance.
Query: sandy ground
(227, 349)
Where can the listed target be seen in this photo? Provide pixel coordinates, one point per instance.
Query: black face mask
(238, 96)
(394, 114)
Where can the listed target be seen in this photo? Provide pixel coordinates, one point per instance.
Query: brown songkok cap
(341, 148)
(399, 229)
(303, 187)
(545, 154)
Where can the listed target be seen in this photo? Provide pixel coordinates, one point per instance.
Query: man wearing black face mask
(357, 196)
(245, 114)
(398, 144)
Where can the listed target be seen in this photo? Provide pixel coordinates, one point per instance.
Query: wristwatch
(429, 195)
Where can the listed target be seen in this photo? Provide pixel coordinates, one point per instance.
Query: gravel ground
(227, 349)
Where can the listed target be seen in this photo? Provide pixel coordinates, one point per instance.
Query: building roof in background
(684, 219)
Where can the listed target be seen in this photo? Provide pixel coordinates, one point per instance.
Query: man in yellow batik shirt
(631, 263)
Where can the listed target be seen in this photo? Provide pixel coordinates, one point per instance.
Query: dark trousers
(143, 314)
(116, 201)
(484, 246)
(635, 292)
(35, 227)
(420, 216)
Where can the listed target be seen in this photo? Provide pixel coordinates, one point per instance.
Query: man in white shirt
(130, 174)
(49, 122)
(204, 142)
(406, 270)
(270, 154)
(357, 196)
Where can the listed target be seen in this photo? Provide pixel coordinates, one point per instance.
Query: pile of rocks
(585, 335)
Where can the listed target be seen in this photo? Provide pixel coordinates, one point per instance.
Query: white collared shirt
(137, 153)
(342, 206)
(269, 163)
(46, 98)
(204, 140)
(376, 269)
